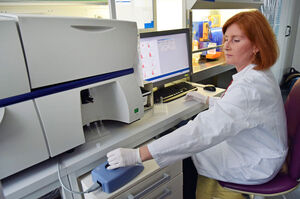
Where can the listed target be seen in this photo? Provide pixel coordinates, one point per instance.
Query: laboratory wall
(140, 11)
(296, 56)
(170, 14)
(286, 37)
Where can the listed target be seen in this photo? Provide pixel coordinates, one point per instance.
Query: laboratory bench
(101, 138)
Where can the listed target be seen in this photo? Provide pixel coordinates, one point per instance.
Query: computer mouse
(211, 88)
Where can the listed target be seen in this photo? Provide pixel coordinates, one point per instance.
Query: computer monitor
(165, 56)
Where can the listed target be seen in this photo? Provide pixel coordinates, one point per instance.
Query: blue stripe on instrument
(62, 87)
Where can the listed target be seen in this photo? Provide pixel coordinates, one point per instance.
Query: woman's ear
(255, 50)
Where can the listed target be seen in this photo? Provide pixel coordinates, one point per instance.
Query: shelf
(198, 67)
(204, 70)
(205, 49)
(56, 2)
(47, 1)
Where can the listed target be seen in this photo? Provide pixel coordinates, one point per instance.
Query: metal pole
(112, 9)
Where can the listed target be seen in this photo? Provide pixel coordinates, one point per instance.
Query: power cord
(94, 187)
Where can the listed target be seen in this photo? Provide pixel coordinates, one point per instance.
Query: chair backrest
(292, 109)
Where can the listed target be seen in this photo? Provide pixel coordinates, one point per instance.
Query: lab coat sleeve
(212, 101)
(226, 118)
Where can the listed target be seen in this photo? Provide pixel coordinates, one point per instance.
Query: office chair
(282, 183)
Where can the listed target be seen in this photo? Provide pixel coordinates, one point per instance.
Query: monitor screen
(165, 55)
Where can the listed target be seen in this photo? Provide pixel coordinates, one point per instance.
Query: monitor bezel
(186, 31)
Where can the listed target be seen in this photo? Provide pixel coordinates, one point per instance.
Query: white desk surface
(116, 135)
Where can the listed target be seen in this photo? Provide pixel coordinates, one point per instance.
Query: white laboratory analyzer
(58, 74)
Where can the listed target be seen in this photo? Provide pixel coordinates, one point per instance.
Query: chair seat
(281, 183)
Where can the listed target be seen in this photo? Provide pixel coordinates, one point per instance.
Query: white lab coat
(241, 138)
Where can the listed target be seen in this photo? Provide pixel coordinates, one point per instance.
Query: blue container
(203, 44)
(111, 180)
(216, 36)
(196, 30)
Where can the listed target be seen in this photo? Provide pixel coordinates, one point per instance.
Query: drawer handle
(164, 179)
(166, 193)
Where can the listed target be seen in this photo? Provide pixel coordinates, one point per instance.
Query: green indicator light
(136, 110)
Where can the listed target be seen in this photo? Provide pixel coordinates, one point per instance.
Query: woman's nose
(226, 45)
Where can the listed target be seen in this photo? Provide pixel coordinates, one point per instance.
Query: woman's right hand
(123, 157)
(194, 95)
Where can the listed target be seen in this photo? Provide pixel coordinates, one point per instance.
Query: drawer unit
(170, 190)
(152, 180)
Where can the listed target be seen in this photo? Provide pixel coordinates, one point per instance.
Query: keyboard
(173, 92)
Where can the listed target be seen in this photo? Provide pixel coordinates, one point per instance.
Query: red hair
(258, 30)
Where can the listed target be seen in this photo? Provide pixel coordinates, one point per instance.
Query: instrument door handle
(2, 112)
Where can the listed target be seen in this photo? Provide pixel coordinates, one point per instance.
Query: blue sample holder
(111, 180)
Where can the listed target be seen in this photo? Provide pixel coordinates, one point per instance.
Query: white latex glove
(194, 95)
(122, 157)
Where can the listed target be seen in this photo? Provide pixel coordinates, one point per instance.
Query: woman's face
(238, 49)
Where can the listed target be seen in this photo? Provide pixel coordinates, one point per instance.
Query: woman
(241, 138)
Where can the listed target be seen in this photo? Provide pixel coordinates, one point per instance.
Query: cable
(94, 187)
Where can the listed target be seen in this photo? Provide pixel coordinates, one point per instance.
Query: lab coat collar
(242, 72)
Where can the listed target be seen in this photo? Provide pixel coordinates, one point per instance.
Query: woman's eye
(236, 40)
